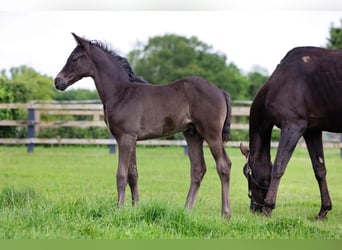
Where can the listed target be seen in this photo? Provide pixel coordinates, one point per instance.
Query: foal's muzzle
(60, 83)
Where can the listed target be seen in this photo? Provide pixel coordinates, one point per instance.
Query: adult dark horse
(135, 110)
(303, 97)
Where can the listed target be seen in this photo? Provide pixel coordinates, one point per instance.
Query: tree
(256, 79)
(21, 84)
(40, 86)
(170, 57)
(9, 93)
(335, 39)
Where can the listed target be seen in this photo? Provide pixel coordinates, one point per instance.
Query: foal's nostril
(58, 81)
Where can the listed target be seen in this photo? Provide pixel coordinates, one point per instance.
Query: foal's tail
(226, 125)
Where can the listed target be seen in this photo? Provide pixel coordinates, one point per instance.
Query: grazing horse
(135, 110)
(303, 97)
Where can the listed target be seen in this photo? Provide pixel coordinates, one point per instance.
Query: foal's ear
(244, 150)
(79, 40)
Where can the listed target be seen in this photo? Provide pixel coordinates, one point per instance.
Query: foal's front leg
(198, 167)
(126, 156)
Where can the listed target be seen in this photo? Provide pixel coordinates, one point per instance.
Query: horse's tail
(226, 125)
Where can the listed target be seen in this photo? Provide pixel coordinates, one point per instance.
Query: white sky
(249, 36)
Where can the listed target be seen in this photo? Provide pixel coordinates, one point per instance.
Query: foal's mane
(117, 58)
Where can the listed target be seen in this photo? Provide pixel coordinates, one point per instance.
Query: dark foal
(135, 110)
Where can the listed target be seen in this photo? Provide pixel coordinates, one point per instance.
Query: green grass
(70, 193)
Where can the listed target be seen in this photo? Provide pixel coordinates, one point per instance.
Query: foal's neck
(109, 77)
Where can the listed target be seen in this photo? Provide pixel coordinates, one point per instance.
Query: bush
(72, 132)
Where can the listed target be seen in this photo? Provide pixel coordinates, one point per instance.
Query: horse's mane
(117, 58)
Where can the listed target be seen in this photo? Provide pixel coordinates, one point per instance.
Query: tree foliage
(21, 84)
(24, 84)
(9, 93)
(77, 95)
(335, 39)
(256, 79)
(170, 57)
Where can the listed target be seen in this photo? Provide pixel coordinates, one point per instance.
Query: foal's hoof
(226, 216)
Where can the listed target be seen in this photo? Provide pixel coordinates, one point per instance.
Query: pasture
(70, 193)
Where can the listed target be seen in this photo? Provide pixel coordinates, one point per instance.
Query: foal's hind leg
(198, 168)
(133, 179)
(315, 146)
(223, 166)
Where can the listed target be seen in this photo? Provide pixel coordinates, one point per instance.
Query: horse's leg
(126, 145)
(198, 168)
(315, 146)
(133, 179)
(288, 141)
(223, 166)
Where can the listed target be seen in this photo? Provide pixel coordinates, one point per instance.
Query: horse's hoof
(267, 212)
(320, 218)
(322, 215)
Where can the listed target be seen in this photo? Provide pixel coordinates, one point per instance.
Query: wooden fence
(34, 122)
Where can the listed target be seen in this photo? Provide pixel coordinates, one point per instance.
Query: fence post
(30, 129)
(112, 147)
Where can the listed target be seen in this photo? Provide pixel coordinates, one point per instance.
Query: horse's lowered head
(77, 66)
(258, 180)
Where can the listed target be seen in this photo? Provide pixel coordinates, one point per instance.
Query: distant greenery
(77, 95)
(13, 89)
(335, 39)
(74, 132)
(170, 57)
(22, 84)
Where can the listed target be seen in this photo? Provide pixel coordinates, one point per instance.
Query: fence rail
(34, 122)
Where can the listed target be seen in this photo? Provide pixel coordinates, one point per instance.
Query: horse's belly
(331, 122)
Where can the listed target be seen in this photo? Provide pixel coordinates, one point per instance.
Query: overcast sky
(249, 37)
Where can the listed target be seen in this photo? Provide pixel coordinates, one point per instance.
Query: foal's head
(91, 57)
(77, 66)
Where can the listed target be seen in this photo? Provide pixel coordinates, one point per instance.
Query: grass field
(70, 193)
